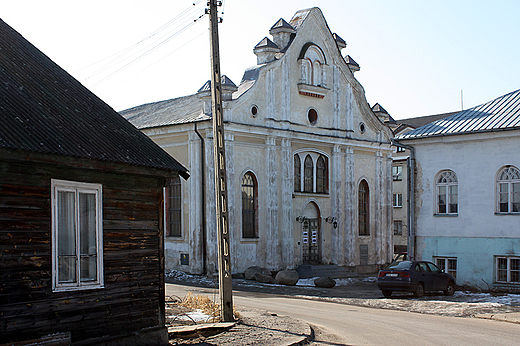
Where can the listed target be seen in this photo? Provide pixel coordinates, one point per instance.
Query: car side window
(433, 268)
(418, 268)
(424, 267)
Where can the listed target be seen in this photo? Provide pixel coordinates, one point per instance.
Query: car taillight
(404, 274)
(383, 273)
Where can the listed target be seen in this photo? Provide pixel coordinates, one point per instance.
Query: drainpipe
(203, 199)
(410, 200)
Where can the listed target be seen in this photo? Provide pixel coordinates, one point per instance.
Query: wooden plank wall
(132, 296)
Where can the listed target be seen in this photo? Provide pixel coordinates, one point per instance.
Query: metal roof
(502, 113)
(44, 109)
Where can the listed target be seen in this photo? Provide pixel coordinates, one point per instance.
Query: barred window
(297, 173)
(508, 269)
(321, 175)
(308, 174)
(174, 209)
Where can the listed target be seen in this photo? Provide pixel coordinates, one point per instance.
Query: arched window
(308, 175)
(447, 193)
(297, 173)
(363, 208)
(508, 190)
(321, 175)
(312, 66)
(249, 206)
(173, 222)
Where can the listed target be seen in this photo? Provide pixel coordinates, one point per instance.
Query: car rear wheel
(450, 289)
(387, 293)
(419, 290)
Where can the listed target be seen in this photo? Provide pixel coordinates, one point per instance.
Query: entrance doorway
(311, 238)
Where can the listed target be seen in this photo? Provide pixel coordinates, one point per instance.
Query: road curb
(511, 317)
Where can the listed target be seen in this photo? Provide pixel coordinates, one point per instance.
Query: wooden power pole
(224, 262)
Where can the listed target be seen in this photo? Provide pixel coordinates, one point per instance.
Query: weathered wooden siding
(133, 295)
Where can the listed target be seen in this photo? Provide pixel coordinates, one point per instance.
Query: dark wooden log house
(81, 211)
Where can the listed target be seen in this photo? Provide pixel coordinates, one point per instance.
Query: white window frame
(445, 265)
(508, 269)
(449, 181)
(76, 188)
(397, 200)
(508, 176)
(397, 173)
(314, 155)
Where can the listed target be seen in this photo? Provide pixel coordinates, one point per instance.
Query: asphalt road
(343, 324)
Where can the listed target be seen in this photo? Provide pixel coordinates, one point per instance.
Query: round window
(312, 115)
(362, 127)
(254, 110)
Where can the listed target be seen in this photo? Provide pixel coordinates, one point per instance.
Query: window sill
(446, 215)
(503, 214)
(173, 238)
(296, 193)
(250, 240)
(77, 288)
(397, 206)
(312, 90)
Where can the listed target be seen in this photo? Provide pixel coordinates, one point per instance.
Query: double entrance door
(311, 241)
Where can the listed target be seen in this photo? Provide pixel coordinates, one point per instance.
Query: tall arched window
(447, 193)
(363, 208)
(321, 175)
(508, 190)
(308, 174)
(174, 214)
(249, 206)
(297, 173)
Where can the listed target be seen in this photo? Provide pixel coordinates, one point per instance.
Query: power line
(150, 45)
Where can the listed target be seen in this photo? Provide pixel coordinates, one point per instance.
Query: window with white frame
(508, 190)
(397, 200)
(249, 206)
(77, 235)
(447, 193)
(397, 173)
(508, 269)
(448, 264)
(398, 227)
(313, 175)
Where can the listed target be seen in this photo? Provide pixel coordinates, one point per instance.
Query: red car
(416, 277)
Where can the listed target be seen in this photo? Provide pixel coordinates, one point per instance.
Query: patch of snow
(195, 316)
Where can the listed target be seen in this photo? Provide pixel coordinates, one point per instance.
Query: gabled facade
(81, 216)
(467, 193)
(308, 162)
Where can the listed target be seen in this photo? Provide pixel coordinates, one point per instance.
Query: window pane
(297, 173)
(89, 268)
(514, 264)
(515, 198)
(174, 209)
(441, 195)
(248, 206)
(308, 173)
(87, 223)
(66, 237)
(88, 246)
(66, 269)
(441, 263)
(501, 269)
(321, 173)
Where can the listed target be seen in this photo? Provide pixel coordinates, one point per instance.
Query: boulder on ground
(263, 278)
(287, 277)
(250, 272)
(325, 282)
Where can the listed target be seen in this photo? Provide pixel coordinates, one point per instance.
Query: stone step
(333, 271)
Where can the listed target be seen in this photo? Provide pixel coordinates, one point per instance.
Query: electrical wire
(130, 55)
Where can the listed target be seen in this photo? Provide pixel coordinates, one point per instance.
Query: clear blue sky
(415, 56)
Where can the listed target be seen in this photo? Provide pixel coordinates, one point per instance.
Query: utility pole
(224, 262)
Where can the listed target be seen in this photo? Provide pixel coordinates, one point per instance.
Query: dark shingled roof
(44, 109)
